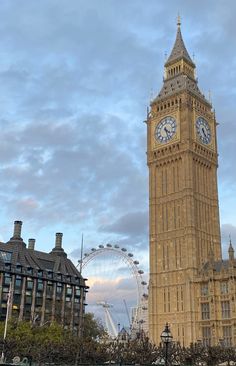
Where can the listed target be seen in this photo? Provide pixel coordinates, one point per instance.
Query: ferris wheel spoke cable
(127, 258)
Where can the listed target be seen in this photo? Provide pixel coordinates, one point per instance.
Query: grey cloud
(134, 223)
(227, 231)
(52, 152)
(126, 284)
(73, 95)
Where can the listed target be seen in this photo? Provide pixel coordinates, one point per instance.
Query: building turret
(231, 252)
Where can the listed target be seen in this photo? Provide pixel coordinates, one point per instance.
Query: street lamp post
(166, 338)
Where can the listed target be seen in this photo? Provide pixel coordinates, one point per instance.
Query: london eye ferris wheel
(118, 290)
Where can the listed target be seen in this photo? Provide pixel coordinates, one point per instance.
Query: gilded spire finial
(178, 21)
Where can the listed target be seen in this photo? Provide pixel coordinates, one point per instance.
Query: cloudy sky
(76, 78)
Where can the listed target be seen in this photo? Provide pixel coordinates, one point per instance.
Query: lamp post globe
(166, 338)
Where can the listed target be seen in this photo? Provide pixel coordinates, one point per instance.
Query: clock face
(203, 130)
(165, 129)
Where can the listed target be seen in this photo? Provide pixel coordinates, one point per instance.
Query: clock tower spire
(183, 198)
(179, 50)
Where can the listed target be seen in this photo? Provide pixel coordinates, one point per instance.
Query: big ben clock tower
(183, 197)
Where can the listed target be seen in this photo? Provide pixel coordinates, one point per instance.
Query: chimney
(58, 243)
(31, 244)
(17, 230)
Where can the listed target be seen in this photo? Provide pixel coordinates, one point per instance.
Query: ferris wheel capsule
(101, 246)
(136, 262)
(130, 255)
(124, 250)
(140, 271)
(116, 246)
(109, 245)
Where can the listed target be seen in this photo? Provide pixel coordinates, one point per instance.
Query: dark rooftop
(16, 253)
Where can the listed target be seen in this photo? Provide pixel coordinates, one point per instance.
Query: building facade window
(224, 287)
(7, 279)
(227, 336)
(49, 274)
(59, 288)
(40, 285)
(77, 291)
(39, 301)
(68, 290)
(18, 281)
(16, 299)
(18, 268)
(205, 310)
(206, 336)
(7, 266)
(5, 296)
(204, 289)
(28, 300)
(225, 309)
(30, 283)
(49, 289)
(5, 256)
(59, 291)
(30, 270)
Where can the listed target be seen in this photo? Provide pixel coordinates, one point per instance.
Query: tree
(53, 343)
(92, 328)
(144, 351)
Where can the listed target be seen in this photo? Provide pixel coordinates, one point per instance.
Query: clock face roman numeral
(165, 129)
(203, 130)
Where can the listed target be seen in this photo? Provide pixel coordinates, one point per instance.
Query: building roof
(177, 84)
(180, 81)
(17, 254)
(217, 266)
(179, 50)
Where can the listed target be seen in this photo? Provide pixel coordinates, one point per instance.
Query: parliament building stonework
(191, 287)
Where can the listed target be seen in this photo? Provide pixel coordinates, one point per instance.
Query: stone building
(45, 287)
(190, 287)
